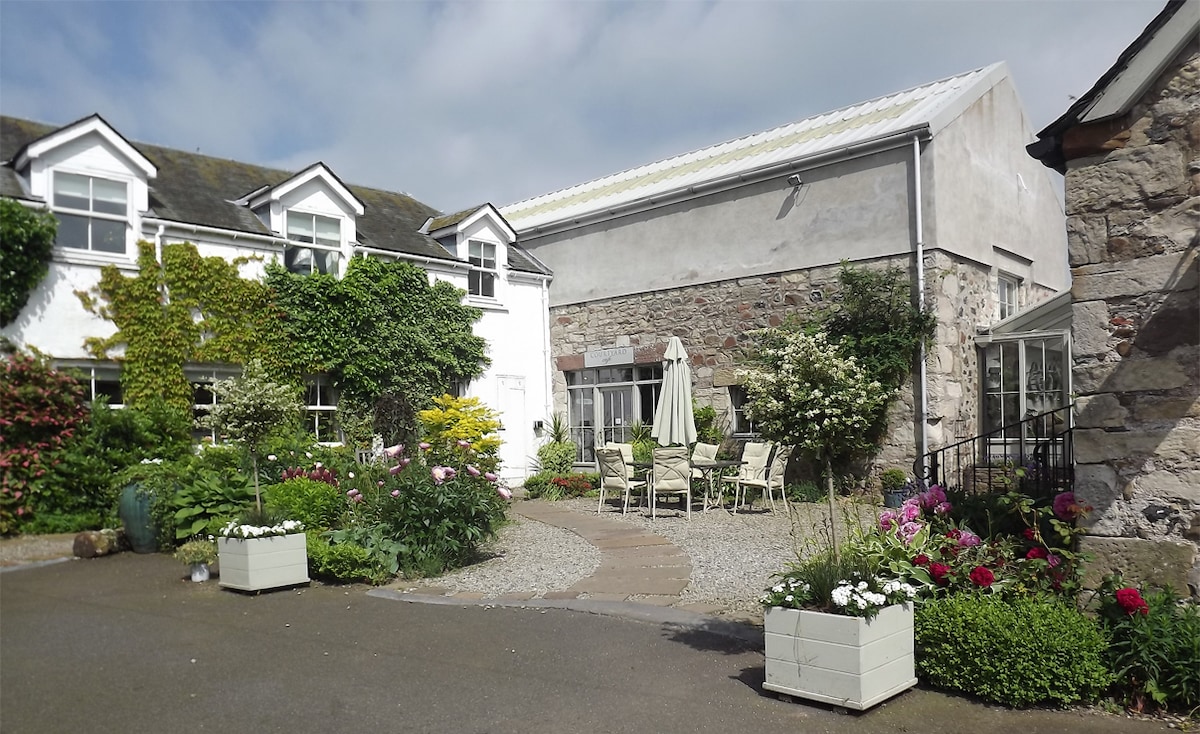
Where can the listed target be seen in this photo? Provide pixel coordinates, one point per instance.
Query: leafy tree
(251, 408)
(391, 339)
(26, 241)
(803, 391)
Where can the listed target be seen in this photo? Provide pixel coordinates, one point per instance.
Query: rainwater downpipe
(923, 414)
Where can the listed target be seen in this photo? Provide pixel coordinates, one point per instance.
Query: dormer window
(92, 212)
(481, 281)
(325, 232)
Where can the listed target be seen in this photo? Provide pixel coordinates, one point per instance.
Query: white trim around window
(1008, 289)
(481, 280)
(93, 213)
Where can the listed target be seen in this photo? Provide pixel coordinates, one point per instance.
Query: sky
(461, 103)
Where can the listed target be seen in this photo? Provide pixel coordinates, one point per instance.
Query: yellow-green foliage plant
(452, 421)
(186, 309)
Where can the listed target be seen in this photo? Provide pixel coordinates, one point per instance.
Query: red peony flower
(1038, 552)
(982, 577)
(1131, 601)
(1030, 534)
(921, 560)
(939, 571)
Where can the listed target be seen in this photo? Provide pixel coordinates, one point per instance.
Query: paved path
(635, 566)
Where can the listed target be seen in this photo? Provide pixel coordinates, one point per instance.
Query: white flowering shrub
(803, 391)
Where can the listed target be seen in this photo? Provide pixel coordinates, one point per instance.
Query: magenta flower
(472, 470)
(909, 530)
(379, 483)
(351, 492)
(358, 498)
(942, 508)
(932, 497)
(394, 451)
(395, 493)
(504, 492)
(405, 461)
(490, 477)
(423, 446)
(1064, 506)
(910, 510)
(887, 519)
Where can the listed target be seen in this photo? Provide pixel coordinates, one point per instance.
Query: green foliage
(893, 479)
(456, 428)
(1155, 646)
(810, 583)
(77, 492)
(344, 561)
(207, 500)
(559, 430)
(250, 408)
(556, 457)
(1017, 652)
(806, 491)
(197, 550)
(318, 505)
(160, 481)
(708, 429)
(26, 241)
(538, 485)
(40, 412)
(878, 324)
(392, 339)
(804, 392)
(187, 309)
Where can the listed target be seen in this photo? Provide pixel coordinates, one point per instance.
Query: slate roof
(930, 106)
(200, 189)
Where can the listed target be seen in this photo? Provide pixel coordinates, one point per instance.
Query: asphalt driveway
(125, 644)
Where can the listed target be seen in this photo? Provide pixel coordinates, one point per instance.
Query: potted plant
(258, 554)
(895, 487)
(197, 554)
(838, 633)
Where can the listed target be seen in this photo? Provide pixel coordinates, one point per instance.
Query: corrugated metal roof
(812, 136)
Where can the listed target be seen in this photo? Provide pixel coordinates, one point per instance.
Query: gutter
(853, 150)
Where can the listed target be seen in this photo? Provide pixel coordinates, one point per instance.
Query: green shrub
(555, 457)
(207, 500)
(807, 491)
(318, 505)
(708, 430)
(1155, 647)
(893, 479)
(1015, 652)
(536, 484)
(342, 561)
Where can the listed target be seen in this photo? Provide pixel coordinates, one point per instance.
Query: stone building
(712, 244)
(1130, 149)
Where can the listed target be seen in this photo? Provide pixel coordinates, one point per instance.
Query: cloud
(460, 103)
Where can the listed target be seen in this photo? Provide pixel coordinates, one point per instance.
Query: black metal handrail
(1034, 455)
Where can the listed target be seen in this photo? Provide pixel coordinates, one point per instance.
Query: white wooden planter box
(263, 563)
(840, 660)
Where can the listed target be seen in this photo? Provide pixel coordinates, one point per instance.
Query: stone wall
(1133, 205)
(713, 321)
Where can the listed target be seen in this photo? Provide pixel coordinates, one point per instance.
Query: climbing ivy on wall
(26, 241)
(186, 309)
(390, 339)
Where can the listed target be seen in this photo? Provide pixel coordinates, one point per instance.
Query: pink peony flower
(887, 519)
(423, 446)
(472, 471)
(464, 444)
(967, 539)
(379, 483)
(394, 470)
(395, 493)
(490, 477)
(1064, 506)
(910, 510)
(932, 497)
(392, 452)
(909, 530)
(504, 492)
(942, 508)
(438, 473)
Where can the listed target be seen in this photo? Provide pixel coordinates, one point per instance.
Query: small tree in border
(249, 409)
(803, 391)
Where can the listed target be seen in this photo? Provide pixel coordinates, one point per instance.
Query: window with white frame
(1006, 296)
(204, 398)
(323, 232)
(606, 402)
(101, 382)
(742, 425)
(320, 405)
(482, 279)
(92, 212)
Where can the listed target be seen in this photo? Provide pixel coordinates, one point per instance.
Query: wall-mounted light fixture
(794, 180)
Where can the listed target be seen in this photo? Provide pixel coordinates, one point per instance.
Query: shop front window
(603, 404)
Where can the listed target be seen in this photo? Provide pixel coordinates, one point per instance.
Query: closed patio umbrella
(674, 422)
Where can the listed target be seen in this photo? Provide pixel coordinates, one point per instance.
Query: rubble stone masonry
(1133, 206)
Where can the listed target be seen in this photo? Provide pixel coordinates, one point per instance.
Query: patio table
(711, 470)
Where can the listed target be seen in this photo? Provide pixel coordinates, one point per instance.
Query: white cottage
(109, 193)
